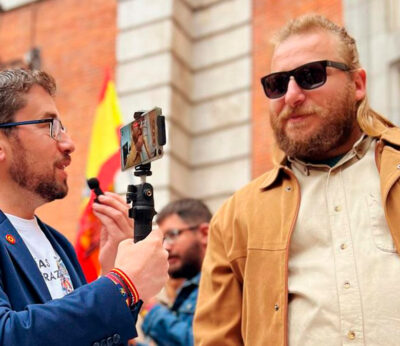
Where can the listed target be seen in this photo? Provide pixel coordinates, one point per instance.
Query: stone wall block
(144, 73)
(151, 39)
(220, 17)
(222, 47)
(222, 145)
(207, 181)
(138, 12)
(221, 112)
(222, 79)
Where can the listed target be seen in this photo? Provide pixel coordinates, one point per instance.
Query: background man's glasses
(56, 127)
(308, 76)
(172, 235)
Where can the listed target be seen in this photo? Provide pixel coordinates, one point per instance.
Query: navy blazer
(93, 314)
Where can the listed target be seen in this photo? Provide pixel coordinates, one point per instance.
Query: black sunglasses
(308, 76)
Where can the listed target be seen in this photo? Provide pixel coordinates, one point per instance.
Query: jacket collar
(279, 161)
(392, 136)
(279, 158)
(195, 280)
(24, 260)
(22, 257)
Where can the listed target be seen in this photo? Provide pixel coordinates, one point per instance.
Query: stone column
(192, 59)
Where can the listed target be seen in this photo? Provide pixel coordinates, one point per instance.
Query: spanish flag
(103, 163)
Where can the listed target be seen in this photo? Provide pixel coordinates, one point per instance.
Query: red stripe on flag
(107, 78)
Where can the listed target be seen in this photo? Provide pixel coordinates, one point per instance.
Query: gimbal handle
(142, 198)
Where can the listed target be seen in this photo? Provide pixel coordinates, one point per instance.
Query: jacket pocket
(380, 231)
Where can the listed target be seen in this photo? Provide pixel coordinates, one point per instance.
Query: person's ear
(360, 83)
(203, 230)
(3, 145)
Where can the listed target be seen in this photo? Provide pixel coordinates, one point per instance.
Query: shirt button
(276, 307)
(338, 208)
(351, 335)
(346, 284)
(343, 246)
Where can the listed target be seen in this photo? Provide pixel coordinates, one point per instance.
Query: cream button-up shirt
(344, 272)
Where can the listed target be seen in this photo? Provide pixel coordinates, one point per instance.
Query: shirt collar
(357, 152)
(193, 281)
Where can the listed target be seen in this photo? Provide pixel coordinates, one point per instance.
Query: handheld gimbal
(142, 198)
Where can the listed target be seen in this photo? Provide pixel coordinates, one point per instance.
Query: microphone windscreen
(93, 183)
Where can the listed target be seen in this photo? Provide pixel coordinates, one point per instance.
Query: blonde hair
(370, 121)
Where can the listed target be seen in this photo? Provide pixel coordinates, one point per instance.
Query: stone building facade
(201, 62)
(193, 59)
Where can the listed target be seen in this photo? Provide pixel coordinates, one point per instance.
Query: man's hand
(146, 263)
(112, 211)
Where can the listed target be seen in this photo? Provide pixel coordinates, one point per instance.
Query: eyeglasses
(308, 76)
(56, 127)
(172, 235)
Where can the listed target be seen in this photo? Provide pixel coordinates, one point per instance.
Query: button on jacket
(243, 297)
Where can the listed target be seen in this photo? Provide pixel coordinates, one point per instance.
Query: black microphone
(94, 185)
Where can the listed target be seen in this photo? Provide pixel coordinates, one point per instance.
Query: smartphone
(143, 139)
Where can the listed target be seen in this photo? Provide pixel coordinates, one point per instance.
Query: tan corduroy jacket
(243, 296)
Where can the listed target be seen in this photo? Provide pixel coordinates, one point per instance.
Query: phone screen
(142, 139)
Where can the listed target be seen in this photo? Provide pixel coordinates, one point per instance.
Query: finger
(156, 235)
(120, 218)
(113, 199)
(104, 218)
(112, 209)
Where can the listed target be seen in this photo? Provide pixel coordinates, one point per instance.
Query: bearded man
(308, 253)
(184, 224)
(44, 297)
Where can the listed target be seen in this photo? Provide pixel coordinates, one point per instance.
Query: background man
(184, 224)
(306, 254)
(43, 296)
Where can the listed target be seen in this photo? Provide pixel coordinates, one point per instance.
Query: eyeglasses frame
(177, 232)
(327, 63)
(39, 121)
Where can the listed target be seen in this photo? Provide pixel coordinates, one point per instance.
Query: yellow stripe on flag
(103, 163)
(105, 141)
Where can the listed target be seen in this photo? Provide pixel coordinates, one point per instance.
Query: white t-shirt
(53, 270)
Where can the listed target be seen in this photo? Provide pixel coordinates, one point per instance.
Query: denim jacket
(173, 326)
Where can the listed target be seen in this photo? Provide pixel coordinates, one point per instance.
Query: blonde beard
(337, 123)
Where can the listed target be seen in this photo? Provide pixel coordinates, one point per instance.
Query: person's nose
(167, 245)
(66, 144)
(294, 95)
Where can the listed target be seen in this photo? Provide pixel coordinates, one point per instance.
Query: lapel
(22, 258)
(56, 243)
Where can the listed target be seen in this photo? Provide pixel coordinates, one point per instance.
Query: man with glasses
(44, 299)
(308, 253)
(184, 224)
